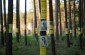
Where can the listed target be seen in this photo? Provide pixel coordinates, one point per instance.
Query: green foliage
(83, 41)
(33, 46)
(76, 12)
(2, 51)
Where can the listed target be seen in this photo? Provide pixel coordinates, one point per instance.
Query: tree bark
(17, 21)
(69, 17)
(56, 14)
(25, 22)
(52, 27)
(66, 24)
(35, 21)
(9, 28)
(4, 3)
(80, 22)
(60, 19)
(74, 19)
(1, 24)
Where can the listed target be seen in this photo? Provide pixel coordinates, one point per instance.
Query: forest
(42, 27)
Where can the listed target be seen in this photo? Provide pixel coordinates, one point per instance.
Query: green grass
(62, 49)
(2, 52)
(33, 47)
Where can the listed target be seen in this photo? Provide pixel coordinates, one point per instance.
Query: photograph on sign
(43, 26)
(43, 40)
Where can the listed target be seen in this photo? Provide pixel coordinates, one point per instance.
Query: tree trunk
(25, 23)
(40, 6)
(17, 21)
(1, 24)
(56, 14)
(35, 21)
(9, 28)
(52, 27)
(4, 3)
(67, 34)
(43, 28)
(74, 19)
(69, 17)
(80, 22)
(60, 19)
(84, 17)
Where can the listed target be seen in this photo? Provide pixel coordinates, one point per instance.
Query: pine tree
(74, 5)
(9, 28)
(1, 24)
(17, 21)
(60, 19)
(56, 14)
(4, 3)
(35, 21)
(40, 5)
(52, 27)
(43, 28)
(25, 22)
(66, 24)
(84, 17)
(69, 17)
(80, 22)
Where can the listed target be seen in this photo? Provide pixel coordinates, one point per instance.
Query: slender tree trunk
(67, 34)
(17, 21)
(43, 28)
(4, 3)
(69, 17)
(60, 20)
(74, 19)
(9, 28)
(40, 5)
(56, 14)
(84, 17)
(25, 22)
(80, 22)
(35, 21)
(1, 24)
(52, 27)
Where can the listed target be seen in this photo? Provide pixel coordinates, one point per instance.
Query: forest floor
(33, 47)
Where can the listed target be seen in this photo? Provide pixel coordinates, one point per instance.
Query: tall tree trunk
(17, 21)
(1, 24)
(69, 17)
(74, 5)
(25, 17)
(4, 3)
(56, 14)
(40, 5)
(60, 19)
(9, 28)
(43, 28)
(52, 27)
(67, 34)
(84, 17)
(35, 21)
(80, 22)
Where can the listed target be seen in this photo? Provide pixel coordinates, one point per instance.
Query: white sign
(43, 40)
(43, 26)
